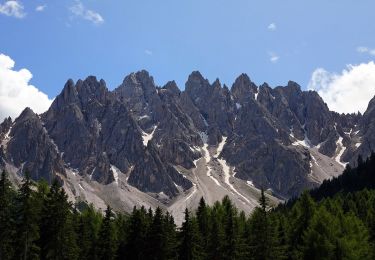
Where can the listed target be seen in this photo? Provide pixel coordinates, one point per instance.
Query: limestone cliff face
(147, 132)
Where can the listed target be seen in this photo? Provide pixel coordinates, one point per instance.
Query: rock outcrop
(149, 137)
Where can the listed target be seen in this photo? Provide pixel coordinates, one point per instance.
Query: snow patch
(92, 172)
(147, 137)
(305, 142)
(115, 172)
(226, 169)
(341, 150)
(250, 183)
(358, 145)
(238, 105)
(7, 138)
(143, 117)
(256, 95)
(220, 146)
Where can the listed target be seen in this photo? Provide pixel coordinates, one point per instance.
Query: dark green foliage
(26, 220)
(7, 197)
(88, 226)
(107, 245)
(58, 239)
(334, 222)
(351, 180)
(190, 240)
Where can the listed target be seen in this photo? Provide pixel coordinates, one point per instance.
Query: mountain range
(142, 144)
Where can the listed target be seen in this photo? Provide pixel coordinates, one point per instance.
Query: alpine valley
(142, 144)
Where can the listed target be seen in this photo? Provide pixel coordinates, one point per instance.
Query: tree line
(38, 222)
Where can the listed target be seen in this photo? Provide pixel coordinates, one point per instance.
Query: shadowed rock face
(31, 149)
(147, 132)
(365, 133)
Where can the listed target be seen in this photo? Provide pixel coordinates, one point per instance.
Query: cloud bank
(12, 8)
(346, 92)
(79, 10)
(15, 92)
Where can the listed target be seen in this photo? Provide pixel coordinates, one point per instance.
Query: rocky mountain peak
(293, 86)
(196, 83)
(90, 89)
(32, 149)
(27, 114)
(163, 142)
(243, 88)
(138, 86)
(172, 87)
(216, 85)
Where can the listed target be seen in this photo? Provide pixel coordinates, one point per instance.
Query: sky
(327, 46)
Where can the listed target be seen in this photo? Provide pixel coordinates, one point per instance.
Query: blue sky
(272, 41)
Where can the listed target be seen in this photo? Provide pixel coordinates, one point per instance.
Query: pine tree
(280, 236)
(156, 244)
(190, 242)
(216, 235)
(136, 235)
(27, 228)
(58, 237)
(230, 230)
(353, 241)
(6, 217)
(87, 231)
(261, 237)
(170, 237)
(107, 244)
(319, 239)
(215, 239)
(300, 216)
(203, 221)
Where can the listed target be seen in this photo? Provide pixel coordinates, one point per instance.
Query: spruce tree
(190, 242)
(261, 236)
(136, 235)
(203, 221)
(156, 244)
(6, 217)
(106, 247)
(87, 231)
(230, 250)
(170, 237)
(27, 220)
(301, 215)
(58, 237)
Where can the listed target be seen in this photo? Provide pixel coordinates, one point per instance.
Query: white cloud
(16, 93)
(363, 49)
(12, 8)
(346, 92)
(272, 27)
(79, 10)
(274, 58)
(148, 52)
(40, 8)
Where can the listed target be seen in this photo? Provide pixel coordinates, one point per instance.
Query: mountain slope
(159, 146)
